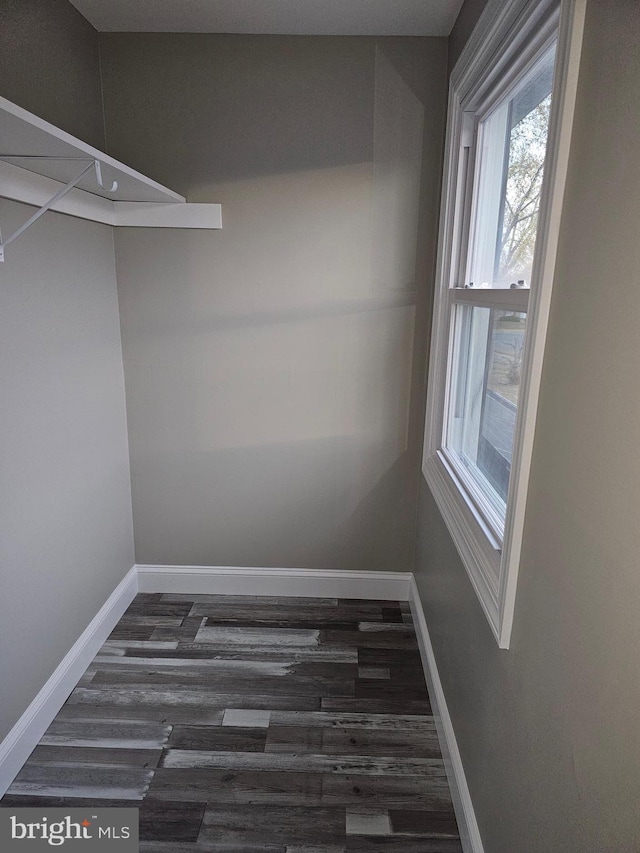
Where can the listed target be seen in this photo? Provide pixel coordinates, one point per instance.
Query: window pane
(484, 397)
(511, 154)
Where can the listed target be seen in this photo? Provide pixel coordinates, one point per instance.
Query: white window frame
(515, 28)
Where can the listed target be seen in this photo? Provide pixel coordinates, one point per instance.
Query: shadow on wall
(269, 366)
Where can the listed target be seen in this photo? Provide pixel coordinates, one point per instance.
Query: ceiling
(296, 17)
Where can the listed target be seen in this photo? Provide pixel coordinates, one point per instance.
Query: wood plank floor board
(125, 631)
(141, 646)
(367, 765)
(107, 733)
(367, 822)
(215, 679)
(95, 755)
(241, 600)
(381, 705)
(205, 698)
(380, 742)
(338, 719)
(315, 848)
(134, 619)
(326, 653)
(424, 823)
(191, 715)
(234, 668)
(391, 614)
(285, 613)
(370, 639)
(377, 688)
(240, 636)
(99, 781)
(237, 786)
(312, 669)
(164, 609)
(390, 657)
(186, 631)
(296, 624)
(401, 844)
(234, 826)
(251, 725)
(374, 672)
(378, 626)
(33, 801)
(298, 740)
(218, 738)
(381, 792)
(175, 822)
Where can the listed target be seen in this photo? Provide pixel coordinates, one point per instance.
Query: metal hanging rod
(91, 164)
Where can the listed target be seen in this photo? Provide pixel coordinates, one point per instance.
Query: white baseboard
(465, 814)
(24, 736)
(232, 580)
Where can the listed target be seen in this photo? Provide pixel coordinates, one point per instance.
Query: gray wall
(49, 64)
(274, 369)
(65, 504)
(548, 730)
(463, 27)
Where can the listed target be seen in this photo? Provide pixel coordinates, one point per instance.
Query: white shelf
(37, 159)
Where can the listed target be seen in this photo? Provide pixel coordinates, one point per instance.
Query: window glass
(484, 398)
(512, 142)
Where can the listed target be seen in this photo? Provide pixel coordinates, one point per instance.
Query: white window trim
(492, 565)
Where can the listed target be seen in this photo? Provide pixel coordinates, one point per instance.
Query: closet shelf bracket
(91, 165)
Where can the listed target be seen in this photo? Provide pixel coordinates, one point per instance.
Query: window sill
(480, 552)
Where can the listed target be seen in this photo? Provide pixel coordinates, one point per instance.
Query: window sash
(478, 489)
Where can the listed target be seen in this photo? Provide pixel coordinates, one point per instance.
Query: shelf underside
(37, 159)
(24, 136)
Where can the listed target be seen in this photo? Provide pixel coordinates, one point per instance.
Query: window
(503, 195)
(510, 111)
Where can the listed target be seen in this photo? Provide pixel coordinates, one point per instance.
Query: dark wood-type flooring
(254, 725)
